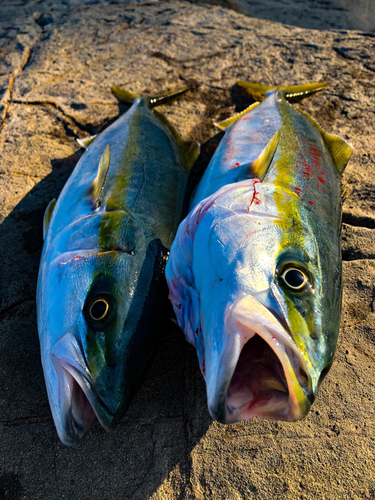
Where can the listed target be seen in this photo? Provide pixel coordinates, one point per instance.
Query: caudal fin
(259, 91)
(156, 100)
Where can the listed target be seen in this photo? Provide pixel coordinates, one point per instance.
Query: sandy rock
(55, 87)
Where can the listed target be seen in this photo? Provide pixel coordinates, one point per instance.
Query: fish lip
(76, 389)
(73, 385)
(270, 329)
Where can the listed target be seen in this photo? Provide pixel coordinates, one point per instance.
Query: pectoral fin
(47, 216)
(260, 166)
(97, 184)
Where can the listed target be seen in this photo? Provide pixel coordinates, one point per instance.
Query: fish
(101, 284)
(255, 271)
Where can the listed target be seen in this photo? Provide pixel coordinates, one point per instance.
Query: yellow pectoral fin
(260, 166)
(98, 183)
(47, 216)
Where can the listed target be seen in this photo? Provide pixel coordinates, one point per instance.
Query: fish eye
(99, 309)
(294, 278)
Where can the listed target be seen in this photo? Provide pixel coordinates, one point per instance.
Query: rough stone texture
(312, 14)
(55, 78)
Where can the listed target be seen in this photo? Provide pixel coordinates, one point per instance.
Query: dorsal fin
(294, 92)
(97, 184)
(229, 121)
(340, 150)
(85, 143)
(189, 149)
(47, 216)
(260, 166)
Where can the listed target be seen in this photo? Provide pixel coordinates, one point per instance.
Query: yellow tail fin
(295, 92)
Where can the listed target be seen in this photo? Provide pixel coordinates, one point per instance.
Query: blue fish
(255, 270)
(101, 282)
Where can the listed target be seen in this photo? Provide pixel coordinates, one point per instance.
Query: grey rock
(56, 71)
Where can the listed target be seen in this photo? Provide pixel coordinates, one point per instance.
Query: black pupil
(294, 278)
(98, 309)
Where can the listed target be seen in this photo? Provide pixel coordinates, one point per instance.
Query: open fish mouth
(264, 374)
(79, 404)
(76, 402)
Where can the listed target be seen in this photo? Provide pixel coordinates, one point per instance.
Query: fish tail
(125, 95)
(259, 92)
(156, 100)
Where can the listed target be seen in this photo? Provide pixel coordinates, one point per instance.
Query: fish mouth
(75, 401)
(262, 372)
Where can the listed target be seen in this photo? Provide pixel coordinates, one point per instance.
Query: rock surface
(55, 77)
(312, 14)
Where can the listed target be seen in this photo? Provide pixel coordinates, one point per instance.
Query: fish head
(268, 290)
(91, 307)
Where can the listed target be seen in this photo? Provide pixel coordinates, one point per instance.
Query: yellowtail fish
(255, 270)
(101, 281)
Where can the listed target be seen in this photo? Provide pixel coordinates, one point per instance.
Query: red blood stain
(298, 190)
(306, 174)
(308, 168)
(311, 202)
(321, 180)
(254, 199)
(235, 165)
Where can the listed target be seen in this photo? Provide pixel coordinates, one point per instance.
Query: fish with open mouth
(254, 273)
(101, 282)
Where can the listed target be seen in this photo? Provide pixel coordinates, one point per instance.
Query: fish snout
(75, 401)
(272, 372)
(259, 371)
